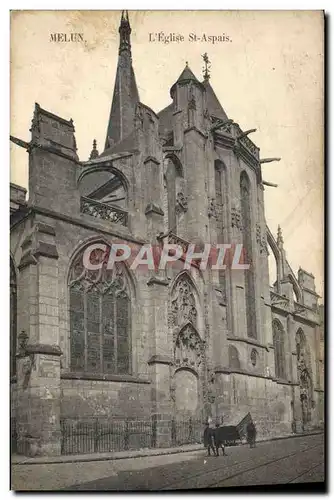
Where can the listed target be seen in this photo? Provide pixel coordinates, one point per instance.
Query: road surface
(295, 460)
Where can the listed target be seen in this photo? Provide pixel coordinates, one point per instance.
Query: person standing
(251, 434)
(218, 439)
(208, 439)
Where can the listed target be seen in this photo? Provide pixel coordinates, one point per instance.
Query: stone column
(160, 363)
(38, 376)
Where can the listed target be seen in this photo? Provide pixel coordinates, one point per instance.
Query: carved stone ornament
(189, 349)
(261, 240)
(212, 212)
(253, 357)
(279, 301)
(103, 211)
(236, 218)
(181, 202)
(183, 304)
(139, 117)
(35, 124)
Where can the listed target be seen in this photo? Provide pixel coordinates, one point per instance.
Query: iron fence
(98, 436)
(188, 431)
(95, 435)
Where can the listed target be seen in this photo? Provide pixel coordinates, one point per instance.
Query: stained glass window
(99, 319)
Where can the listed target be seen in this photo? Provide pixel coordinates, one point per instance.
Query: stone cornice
(241, 371)
(52, 350)
(53, 150)
(105, 161)
(107, 378)
(307, 321)
(223, 140)
(312, 292)
(247, 341)
(160, 359)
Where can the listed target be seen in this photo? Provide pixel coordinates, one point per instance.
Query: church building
(154, 345)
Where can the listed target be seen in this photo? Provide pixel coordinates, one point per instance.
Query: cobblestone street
(293, 460)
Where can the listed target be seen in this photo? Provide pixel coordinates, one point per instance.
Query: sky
(268, 76)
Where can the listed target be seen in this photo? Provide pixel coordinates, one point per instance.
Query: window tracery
(99, 318)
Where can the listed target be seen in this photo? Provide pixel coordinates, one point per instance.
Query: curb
(136, 454)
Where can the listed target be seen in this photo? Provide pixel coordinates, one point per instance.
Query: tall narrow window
(220, 194)
(99, 319)
(13, 323)
(171, 196)
(278, 340)
(175, 195)
(245, 198)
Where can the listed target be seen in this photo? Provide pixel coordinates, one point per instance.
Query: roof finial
(94, 153)
(280, 240)
(124, 31)
(207, 66)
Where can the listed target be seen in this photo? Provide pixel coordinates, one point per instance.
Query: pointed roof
(186, 76)
(125, 97)
(213, 104)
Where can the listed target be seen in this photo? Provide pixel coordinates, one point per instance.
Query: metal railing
(96, 435)
(188, 431)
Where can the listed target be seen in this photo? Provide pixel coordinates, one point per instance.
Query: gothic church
(169, 344)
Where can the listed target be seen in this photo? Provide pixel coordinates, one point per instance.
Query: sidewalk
(119, 455)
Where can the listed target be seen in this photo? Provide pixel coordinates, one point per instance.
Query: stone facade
(196, 342)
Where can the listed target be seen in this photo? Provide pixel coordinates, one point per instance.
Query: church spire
(126, 97)
(124, 33)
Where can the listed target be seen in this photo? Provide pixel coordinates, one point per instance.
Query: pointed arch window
(245, 200)
(100, 318)
(278, 340)
(220, 196)
(13, 319)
